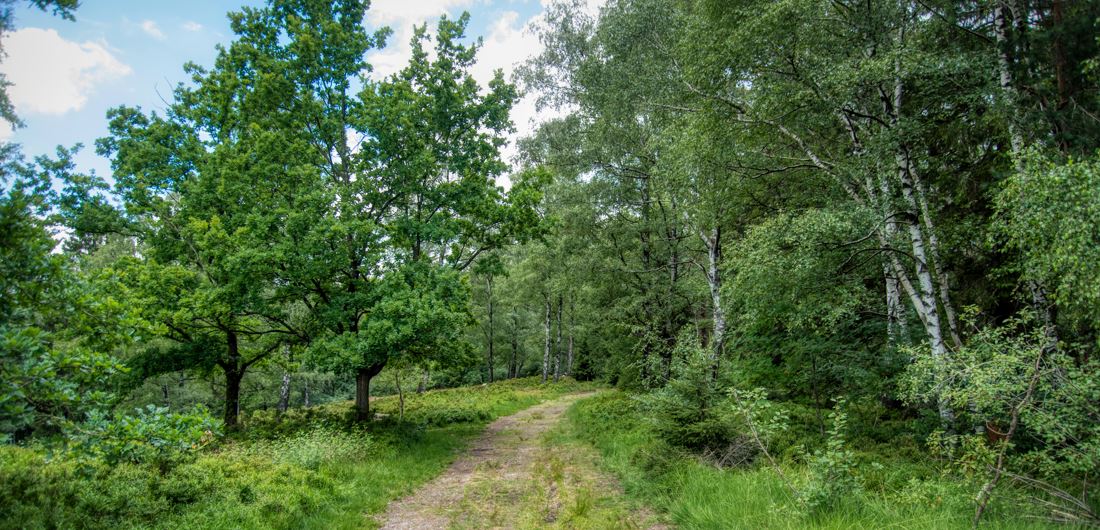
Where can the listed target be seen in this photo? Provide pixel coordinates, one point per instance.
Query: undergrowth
(894, 491)
(312, 468)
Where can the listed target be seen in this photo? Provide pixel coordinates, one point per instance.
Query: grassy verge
(310, 469)
(695, 494)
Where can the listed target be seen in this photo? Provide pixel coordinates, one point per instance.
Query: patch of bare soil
(512, 477)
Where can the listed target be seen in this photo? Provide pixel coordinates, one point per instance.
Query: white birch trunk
(928, 298)
(942, 279)
(569, 361)
(400, 395)
(284, 388)
(546, 348)
(557, 345)
(423, 384)
(284, 393)
(713, 242)
(513, 368)
(489, 287)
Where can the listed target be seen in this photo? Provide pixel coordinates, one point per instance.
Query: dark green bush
(689, 411)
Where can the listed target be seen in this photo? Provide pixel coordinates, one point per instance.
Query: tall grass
(697, 495)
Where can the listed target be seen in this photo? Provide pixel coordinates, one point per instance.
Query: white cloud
(510, 42)
(401, 16)
(150, 28)
(401, 12)
(192, 26)
(51, 75)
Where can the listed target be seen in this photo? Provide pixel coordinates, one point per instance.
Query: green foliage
(60, 328)
(314, 470)
(690, 410)
(763, 419)
(693, 493)
(1049, 214)
(152, 435)
(418, 316)
(832, 468)
(792, 272)
(433, 408)
(996, 362)
(989, 378)
(312, 447)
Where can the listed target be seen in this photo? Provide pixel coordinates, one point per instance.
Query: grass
(570, 492)
(696, 495)
(311, 469)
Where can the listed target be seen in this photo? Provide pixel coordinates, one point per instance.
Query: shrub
(832, 477)
(153, 435)
(688, 411)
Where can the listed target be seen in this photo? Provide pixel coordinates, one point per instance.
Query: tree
(431, 146)
(202, 187)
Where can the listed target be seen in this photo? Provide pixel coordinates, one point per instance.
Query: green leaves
(793, 271)
(1050, 215)
(152, 435)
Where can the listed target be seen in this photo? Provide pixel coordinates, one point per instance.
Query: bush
(832, 469)
(689, 411)
(153, 435)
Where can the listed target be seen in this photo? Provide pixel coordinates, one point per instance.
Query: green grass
(312, 469)
(693, 494)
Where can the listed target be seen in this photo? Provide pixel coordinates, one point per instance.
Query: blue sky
(67, 74)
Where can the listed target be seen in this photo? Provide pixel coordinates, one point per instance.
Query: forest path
(520, 473)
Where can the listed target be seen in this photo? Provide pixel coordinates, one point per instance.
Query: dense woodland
(806, 240)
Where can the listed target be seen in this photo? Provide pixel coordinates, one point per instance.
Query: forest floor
(522, 472)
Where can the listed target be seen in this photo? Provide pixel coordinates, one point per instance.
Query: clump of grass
(311, 448)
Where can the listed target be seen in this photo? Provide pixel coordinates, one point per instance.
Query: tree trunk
(232, 398)
(942, 279)
(895, 312)
(1016, 137)
(305, 393)
(927, 296)
(362, 390)
(423, 385)
(513, 366)
(557, 345)
(546, 349)
(284, 388)
(895, 322)
(713, 242)
(400, 395)
(489, 286)
(284, 394)
(569, 361)
(234, 373)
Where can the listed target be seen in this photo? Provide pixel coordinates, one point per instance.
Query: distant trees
(818, 193)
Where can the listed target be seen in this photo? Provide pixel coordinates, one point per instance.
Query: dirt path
(515, 476)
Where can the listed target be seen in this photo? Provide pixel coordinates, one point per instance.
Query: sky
(66, 75)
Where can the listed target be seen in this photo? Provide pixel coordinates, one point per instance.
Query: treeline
(284, 213)
(891, 204)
